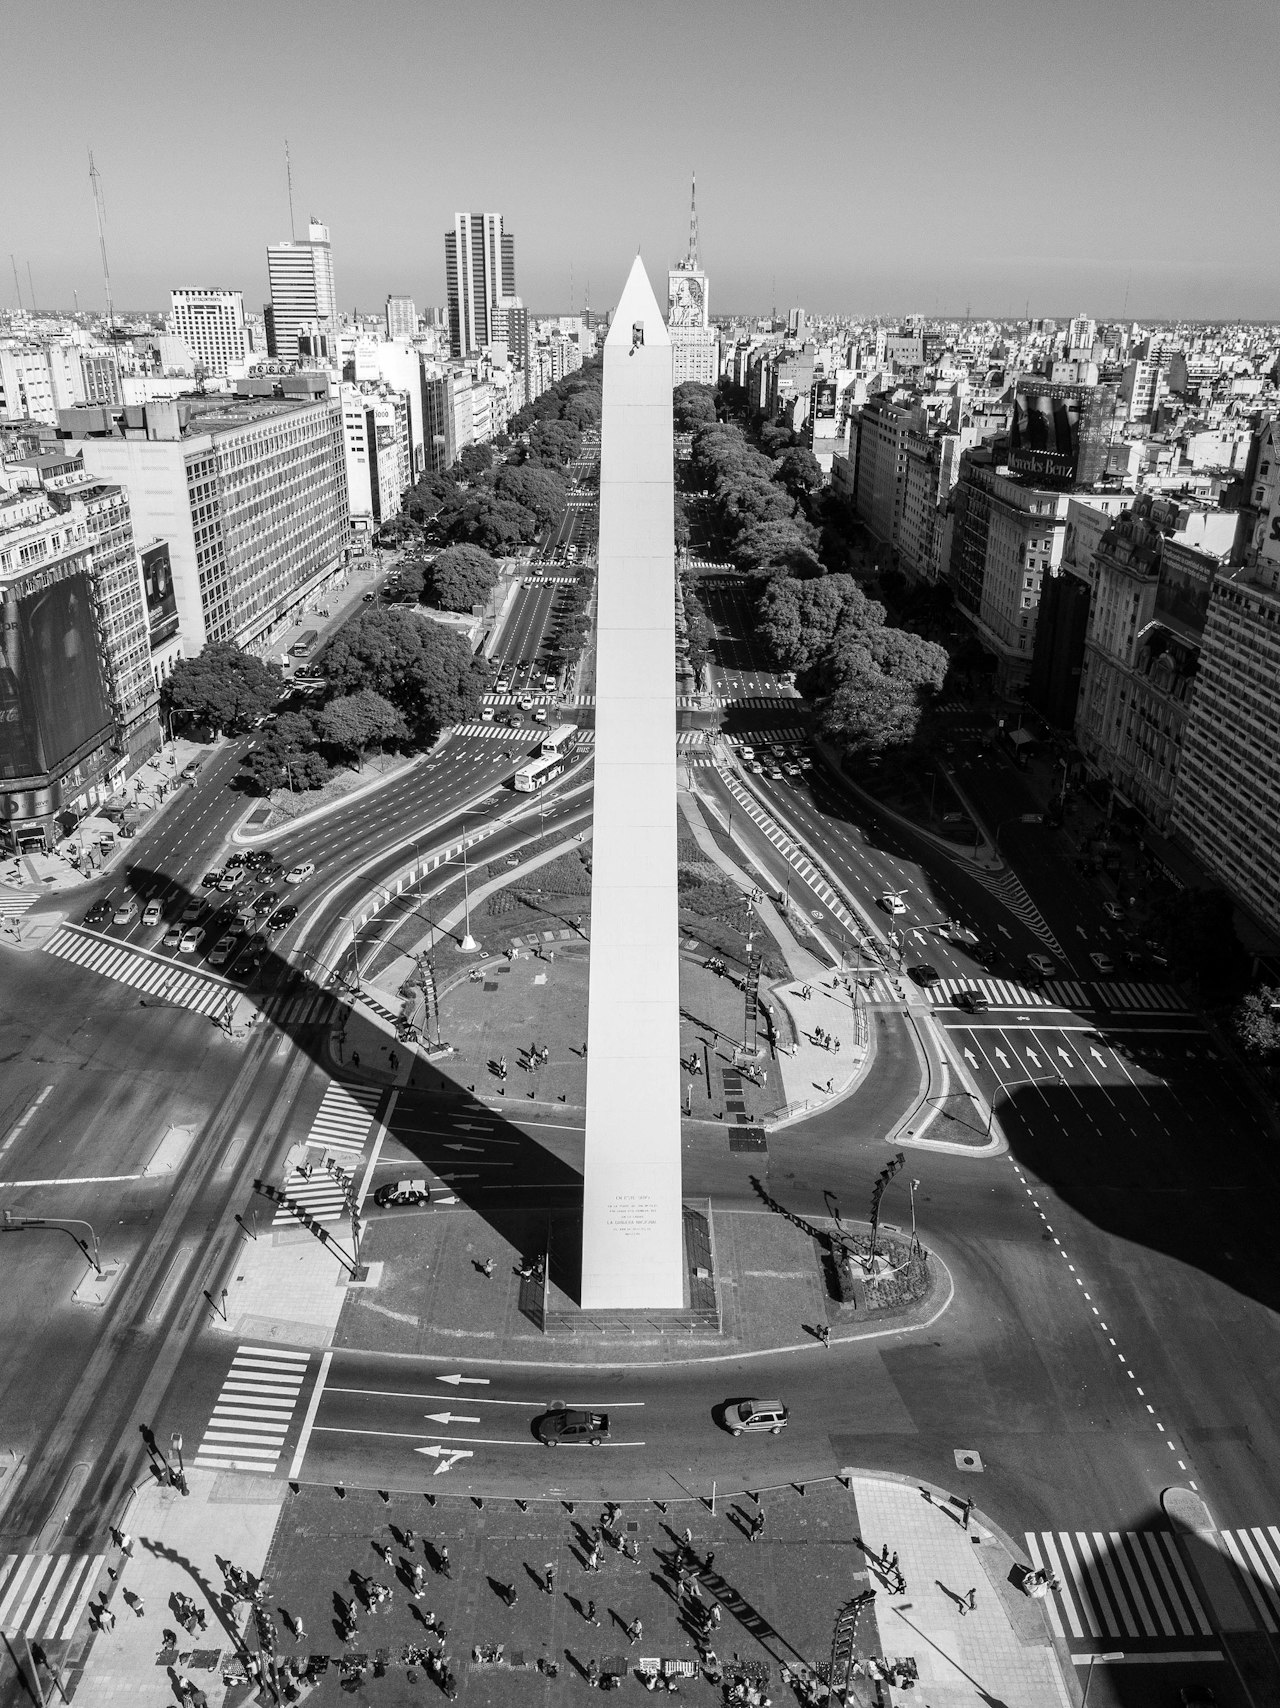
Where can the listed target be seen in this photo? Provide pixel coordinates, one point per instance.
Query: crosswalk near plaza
(516, 733)
(341, 1128)
(151, 974)
(45, 1595)
(1066, 993)
(14, 903)
(253, 1410)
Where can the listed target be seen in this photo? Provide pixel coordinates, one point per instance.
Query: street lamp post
(1009, 1085)
(911, 1186)
(1114, 1655)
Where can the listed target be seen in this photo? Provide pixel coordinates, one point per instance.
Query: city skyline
(938, 212)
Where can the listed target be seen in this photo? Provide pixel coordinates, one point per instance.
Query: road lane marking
(75, 1180)
(484, 1400)
(466, 1440)
(309, 1420)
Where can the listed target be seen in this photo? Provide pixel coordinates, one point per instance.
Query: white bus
(539, 772)
(563, 738)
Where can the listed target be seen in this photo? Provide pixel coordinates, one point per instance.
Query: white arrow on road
(450, 1198)
(471, 1381)
(1097, 1055)
(473, 1150)
(970, 1058)
(1033, 1057)
(1082, 932)
(1005, 929)
(447, 1417)
(448, 1456)
(1002, 1058)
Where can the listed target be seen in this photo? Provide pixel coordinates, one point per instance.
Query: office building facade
(211, 325)
(480, 270)
(302, 317)
(402, 318)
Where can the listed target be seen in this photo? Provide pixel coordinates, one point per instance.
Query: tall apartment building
(211, 325)
(402, 318)
(1227, 803)
(880, 467)
(249, 493)
(480, 269)
(302, 317)
(376, 439)
(26, 386)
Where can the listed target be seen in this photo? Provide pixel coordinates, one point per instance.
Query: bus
(563, 738)
(538, 772)
(302, 647)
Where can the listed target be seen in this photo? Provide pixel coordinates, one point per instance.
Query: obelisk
(632, 1241)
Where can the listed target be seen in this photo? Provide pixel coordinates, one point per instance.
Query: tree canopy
(222, 686)
(462, 576)
(483, 519)
(785, 546)
(554, 443)
(424, 669)
(354, 722)
(691, 405)
(539, 490)
(474, 460)
(799, 470)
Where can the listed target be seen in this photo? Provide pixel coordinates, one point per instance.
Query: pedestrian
(884, 1555)
(635, 1630)
(592, 1616)
(355, 1058)
(107, 1619)
(419, 1581)
(711, 1559)
(410, 1538)
(593, 1672)
(394, 1060)
(972, 1599)
(444, 1563)
(836, 1045)
(135, 1601)
(893, 1563)
(509, 1594)
(966, 1507)
(487, 1268)
(757, 1526)
(593, 1560)
(688, 1538)
(830, 1087)
(382, 1549)
(717, 1613)
(549, 1578)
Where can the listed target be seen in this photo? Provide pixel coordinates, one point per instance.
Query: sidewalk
(314, 1548)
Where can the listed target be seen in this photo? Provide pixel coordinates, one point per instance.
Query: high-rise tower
(694, 341)
(480, 270)
(303, 312)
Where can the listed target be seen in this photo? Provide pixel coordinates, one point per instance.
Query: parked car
(1042, 964)
(571, 1424)
(192, 771)
(402, 1192)
(754, 1417)
(301, 872)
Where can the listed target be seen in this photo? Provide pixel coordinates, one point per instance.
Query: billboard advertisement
(52, 700)
(1182, 596)
(1058, 433)
(162, 601)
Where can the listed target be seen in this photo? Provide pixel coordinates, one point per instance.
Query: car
(793, 769)
(153, 913)
(502, 685)
(265, 903)
(892, 903)
(211, 880)
(258, 857)
(549, 684)
(540, 716)
(283, 916)
(125, 910)
(526, 704)
(1042, 964)
(514, 718)
(755, 767)
(774, 772)
(99, 913)
(192, 771)
(369, 598)
(746, 753)
(402, 1192)
(754, 1417)
(1112, 910)
(240, 925)
(222, 950)
(192, 911)
(1103, 962)
(173, 936)
(924, 974)
(1197, 1696)
(230, 878)
(567, 1423)
(486, 714)
(972, 1001)
(301, 872)
(235, 860)
(192, 938)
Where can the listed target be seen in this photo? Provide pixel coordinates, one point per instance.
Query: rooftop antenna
(99, 211)
(693, 223)
(75, 297)
(17, 287)
(31, 283)
(288, 172)
(571, 287)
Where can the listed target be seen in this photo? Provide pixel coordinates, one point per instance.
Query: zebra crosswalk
(45, 1595)
(768, 737)
(341, 1127)
(1066, 993)
(152, 974)
(254, 1408)
(1132, 1585)
(509, 732)
(1007, 889)
(14, 903)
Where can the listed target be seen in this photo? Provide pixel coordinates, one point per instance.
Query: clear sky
(860, 156)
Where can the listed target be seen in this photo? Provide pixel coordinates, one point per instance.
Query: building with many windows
(480, 270)
(302, 316)
(375, 429)
(249, 493)
(402, 318)
(211, 325)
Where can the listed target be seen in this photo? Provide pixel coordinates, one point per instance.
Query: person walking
(824, 1335)
(509, 1594)
(355, 1058)
(107, 1619)
(549, 1578)
(830, 1087)
(592, 1617)
(893, 1563)
(635, 1630)
(972, 1599)
(884, 1555)
(486, 1269)
(593, 1558)
(445, 1568)
(966, 1507)
(757, 1526)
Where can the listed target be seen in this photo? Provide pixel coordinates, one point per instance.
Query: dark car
(99, 913)
(924, 974)
(402, 1192)
(211, 880)
(265, 903)
(572, 1425)
(283, 916)
(972, 1001)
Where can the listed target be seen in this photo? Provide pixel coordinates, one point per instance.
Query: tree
(474, 461)
(540, 490)
(781, 547)
(775, 437)
(799, 620)
(427, 495)
(681, 522)
(355, 722)
(285, 755)
(554, 443)
(413, 578)
(425, 669)
(1256, 1022)
(870, 714)
(745, 500)
(222, 686)
(691, 405)
(583, 409)
(799, 471)
(461, 577)
(483, 519)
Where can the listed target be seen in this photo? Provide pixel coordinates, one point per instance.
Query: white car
(153, 914)
(893, 904)
(486, 714)
(192, 938)
(502, 685)
(125, 910)
(747, 753)
(1103, 962)
(301, 873)
(222, 950)
(1042, 964)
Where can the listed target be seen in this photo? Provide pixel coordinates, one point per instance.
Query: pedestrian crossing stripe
(758, 702)
(1065, 993)
(767, 737)
(312, 1008)
(1133, 1584)
(45, 1595)
(14, 903)
(253, 1411)
(147, 972)
(1007, 888)
(536, 695)
(516, 733)
(341, 1127)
